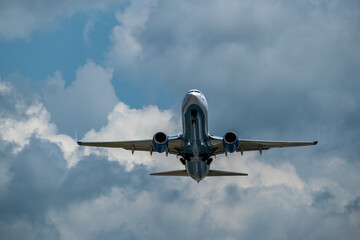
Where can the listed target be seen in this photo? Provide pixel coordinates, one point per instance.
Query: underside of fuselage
(195, 142)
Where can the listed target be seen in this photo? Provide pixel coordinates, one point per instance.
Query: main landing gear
(205, 156)
(208, 162)
(183, 161)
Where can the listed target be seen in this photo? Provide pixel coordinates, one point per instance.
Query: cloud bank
(52, 189)
(266, 59)
(269, 69)
(19, 19)
(84, 104)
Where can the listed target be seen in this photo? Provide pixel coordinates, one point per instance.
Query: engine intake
(160, 142)
(230, 141)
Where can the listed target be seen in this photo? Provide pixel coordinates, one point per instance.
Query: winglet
(317, 140)
(76, 139)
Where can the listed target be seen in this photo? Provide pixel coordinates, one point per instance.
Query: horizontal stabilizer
(217, 173)
(179, 173)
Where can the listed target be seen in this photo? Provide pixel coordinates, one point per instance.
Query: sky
(118, 70)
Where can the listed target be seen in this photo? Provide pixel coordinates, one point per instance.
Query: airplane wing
(212, 173)
(138, 145)
(177, 173)
(218, 173)
(255, 145)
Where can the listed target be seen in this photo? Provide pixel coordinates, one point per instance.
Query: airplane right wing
(256, 145)
(212, 173)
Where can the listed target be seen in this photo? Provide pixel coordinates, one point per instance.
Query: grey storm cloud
(321, 197)
(40, 181)
(354, 206)
(250, 46)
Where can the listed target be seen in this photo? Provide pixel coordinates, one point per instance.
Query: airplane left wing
(255, 145)
(138, 145)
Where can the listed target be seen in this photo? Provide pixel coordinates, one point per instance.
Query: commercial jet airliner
(195, 146)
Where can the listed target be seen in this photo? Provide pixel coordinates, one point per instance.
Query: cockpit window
(194, 90)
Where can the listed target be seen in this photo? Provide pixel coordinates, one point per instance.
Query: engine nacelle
(160, 142)
(230, 141)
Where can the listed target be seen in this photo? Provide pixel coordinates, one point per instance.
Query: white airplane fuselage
(195, 142)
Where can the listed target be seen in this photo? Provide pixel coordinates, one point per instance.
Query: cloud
(125, 123)
(89, 26)
(353, 206)
(84, 104)
(283, 66)
(321, 198)
(126, 47)
(18, 19)
(269, 70)
(46, 197)
(30, 119)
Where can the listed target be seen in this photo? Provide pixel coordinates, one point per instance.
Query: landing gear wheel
(209, 161)
(182, 161)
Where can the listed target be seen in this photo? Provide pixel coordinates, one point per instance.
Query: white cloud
(125, 123)
(251, 56)
(96, 198)
(5, 87)
(222, 206)
(126, 48)
(84, 104)
(34, 121)
(89, 26)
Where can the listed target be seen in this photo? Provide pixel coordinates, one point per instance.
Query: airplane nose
(193, 97)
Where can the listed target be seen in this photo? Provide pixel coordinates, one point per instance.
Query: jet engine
(160, 142)
(230, 141)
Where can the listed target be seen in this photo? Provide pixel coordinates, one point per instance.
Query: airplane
(195, 146)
